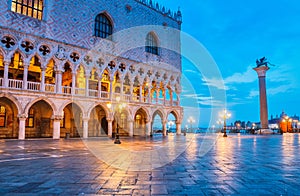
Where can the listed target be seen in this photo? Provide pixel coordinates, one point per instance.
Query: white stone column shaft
(109, 122)
(5, 76)
(130, 126)
(56, 128)
(43, 71)
(148, 128)
(99, 87)
(85, 128)
(25, 76)
(73, 83)
(110, 89)
(59, 81)
(22, 121)
(164, 123)
(178, 128)
(141, 94)
(87, 86)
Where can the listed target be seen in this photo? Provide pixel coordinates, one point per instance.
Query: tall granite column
(261, 72)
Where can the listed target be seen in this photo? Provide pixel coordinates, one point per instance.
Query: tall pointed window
(103, 27)
(2, 116)
(32, 8)
(151, 44)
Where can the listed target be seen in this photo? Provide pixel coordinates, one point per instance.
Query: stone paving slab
(237, 165)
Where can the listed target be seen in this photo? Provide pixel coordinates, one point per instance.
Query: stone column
(164, 94)
(25, 76)
(109, 122)
(5, 76)
(85, 128)
(58, 76)
(164, 123)
(131, 90)
(56, 126)
(178, 128)
(111, 89)
(121, 90)
(130, 126)
(73, 91)
(157, 95)
(99, 87)
(261, 72)
(22, 120)
(141, 94)
(43, 69)
(149, 94)
(178, 98)
(87, 77)
(148, 128)
(171, 97)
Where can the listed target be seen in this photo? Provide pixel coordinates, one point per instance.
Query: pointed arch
(102, 105)
(152, 43)
(103, 27)
(49, 102)
(14, 100)
(60, 110)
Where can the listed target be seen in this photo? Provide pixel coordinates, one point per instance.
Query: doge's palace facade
(68, 66)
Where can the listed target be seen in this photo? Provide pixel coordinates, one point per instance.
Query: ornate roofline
(177, 16)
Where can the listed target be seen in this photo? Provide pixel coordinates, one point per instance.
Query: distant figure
(261, 62)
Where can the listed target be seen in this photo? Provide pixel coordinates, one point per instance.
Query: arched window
(103, 27)
(32, 8)
(151, 44)
(30, 120)
(2, 116)
(138, 121)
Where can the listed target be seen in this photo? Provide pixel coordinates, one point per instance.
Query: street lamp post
(118, 108)
(225, 115)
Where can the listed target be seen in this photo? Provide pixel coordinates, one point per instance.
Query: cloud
(215, 82)
(191, 71)
(273, 91)
(248, 76)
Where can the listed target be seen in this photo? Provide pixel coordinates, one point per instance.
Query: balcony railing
(80, 91)
(34, 86)
(93, 93)
(104, 95)
(67, 90)
(15, 84)
(50, 88)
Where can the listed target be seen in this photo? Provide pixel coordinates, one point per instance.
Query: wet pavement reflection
(206, 165)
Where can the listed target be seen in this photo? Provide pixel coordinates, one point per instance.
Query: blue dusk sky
(236, 33)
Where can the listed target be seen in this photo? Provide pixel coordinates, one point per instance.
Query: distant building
(284, 122)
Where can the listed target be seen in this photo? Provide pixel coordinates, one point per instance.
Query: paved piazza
(205, 165)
